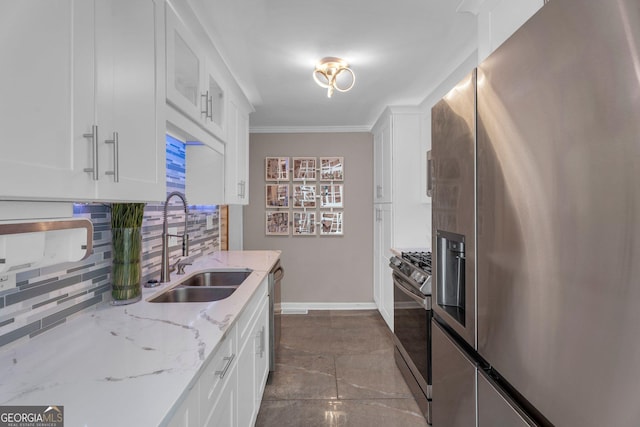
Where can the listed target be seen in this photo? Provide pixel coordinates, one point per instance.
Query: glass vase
(126, 248)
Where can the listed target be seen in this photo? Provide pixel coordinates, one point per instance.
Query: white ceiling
(400, 50)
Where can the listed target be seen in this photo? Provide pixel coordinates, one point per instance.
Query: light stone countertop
(127, 365)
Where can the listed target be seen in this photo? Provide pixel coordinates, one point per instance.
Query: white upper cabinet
(93, 119)
(184, 67)
(194, 85)
(204, 182)
(382, 154)
(47, 98)
(214, 110)
(130, 100)
(237, 155)
(203, 95)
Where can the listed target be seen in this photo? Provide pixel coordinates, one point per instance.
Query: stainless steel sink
(195, 294)
(205, 286)
(217, 278)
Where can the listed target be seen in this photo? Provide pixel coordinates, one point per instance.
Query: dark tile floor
(335, 369)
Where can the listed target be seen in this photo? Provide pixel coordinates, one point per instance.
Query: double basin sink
(206, 286)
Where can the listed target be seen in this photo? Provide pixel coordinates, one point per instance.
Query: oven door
(412, 329)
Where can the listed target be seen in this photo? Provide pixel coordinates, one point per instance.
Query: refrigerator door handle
(429, 175)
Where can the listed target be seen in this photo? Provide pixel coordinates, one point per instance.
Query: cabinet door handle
(205, 97)
(210, 108)
(224, 370)
(116, 164)
(379, 191)
(241, 189)
(94, 143)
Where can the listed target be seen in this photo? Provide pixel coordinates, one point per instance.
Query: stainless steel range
(412, 323)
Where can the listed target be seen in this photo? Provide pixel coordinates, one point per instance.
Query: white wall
(320, 271)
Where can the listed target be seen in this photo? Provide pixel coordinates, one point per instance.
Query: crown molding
(470, 6)
(309, 129)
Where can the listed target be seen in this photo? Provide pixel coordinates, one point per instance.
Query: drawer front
(217, 369)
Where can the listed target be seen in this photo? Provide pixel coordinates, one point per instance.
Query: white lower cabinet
(254, 362)
(218, 383)
(230, 387)
(383, 241)
(262, 357)
(187, 415)
(225, 408)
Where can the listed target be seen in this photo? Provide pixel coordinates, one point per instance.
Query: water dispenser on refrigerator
(451, 277)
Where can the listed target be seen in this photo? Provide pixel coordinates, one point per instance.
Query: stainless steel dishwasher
(275, 283)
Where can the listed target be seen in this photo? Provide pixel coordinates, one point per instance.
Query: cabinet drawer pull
(224, 370)
(116, 164)
(94, 143)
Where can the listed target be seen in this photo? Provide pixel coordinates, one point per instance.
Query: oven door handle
(399, 274)
(417, 298)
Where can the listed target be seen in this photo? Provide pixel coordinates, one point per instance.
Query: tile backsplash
(44, 298)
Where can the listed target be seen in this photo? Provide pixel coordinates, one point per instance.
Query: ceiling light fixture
(327, 72)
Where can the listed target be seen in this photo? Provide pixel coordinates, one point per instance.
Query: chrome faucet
(166, 269)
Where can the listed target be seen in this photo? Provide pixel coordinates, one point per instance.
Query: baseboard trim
(304, 307)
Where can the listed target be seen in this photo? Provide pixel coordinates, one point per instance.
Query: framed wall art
(332, 168)
(331, 196)
(304, 168)
(276, 169)
(331, 223)
(304, 223)
(277, 195)
(304, 196)
(277, 223)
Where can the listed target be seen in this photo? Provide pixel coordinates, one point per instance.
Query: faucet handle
(180, 265)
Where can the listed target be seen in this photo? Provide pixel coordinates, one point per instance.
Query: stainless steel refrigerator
(536, 222)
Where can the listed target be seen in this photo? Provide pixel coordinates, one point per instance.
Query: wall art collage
(304, 196)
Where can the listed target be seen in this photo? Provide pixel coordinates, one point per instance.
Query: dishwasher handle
(278, 274)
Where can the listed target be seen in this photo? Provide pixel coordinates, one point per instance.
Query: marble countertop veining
(127, 365)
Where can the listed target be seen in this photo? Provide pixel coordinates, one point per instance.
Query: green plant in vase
(126, 244)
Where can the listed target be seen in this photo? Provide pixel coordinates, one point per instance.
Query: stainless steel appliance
(275, 311)
(412, 313)
(546, 182)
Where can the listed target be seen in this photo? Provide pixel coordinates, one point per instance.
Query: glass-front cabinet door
(184, 68)
(187, 71)
(214, 110)
(194, 83)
